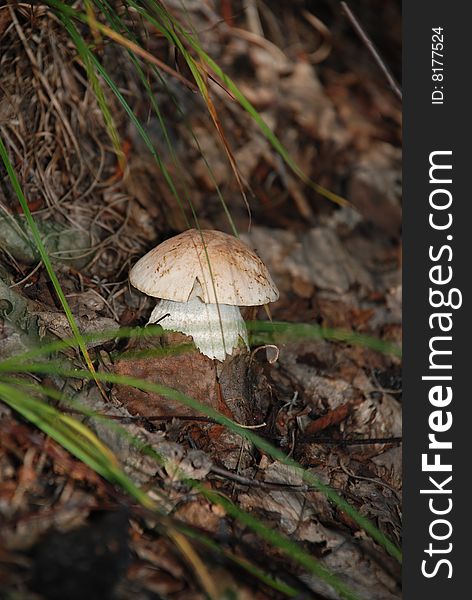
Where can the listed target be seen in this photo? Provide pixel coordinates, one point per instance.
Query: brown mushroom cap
(180, 266)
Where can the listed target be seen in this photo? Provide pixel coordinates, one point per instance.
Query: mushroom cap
(184, 266)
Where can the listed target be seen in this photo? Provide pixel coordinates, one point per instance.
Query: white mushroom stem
(215, 329)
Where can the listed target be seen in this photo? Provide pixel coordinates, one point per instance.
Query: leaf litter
(335, 408)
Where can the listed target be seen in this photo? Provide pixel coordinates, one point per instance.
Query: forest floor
(333, 406)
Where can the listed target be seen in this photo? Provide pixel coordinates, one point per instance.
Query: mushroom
(202, 278)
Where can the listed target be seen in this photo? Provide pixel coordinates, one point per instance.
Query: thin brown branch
(373, 50)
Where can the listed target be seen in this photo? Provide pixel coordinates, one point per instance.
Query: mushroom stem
(215, 328)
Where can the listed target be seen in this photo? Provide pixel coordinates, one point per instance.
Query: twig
(252, 18)
(138, 418)
(27, 276)
(372, 479)
(365, 442)
(268, 485)
(373, 50)
(323, 51)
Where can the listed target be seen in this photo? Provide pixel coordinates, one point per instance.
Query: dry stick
(252, 18)
(269, 485)
(200, 419)
(351, 442)
(373, 50)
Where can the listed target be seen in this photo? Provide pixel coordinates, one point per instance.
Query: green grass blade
(65, 14)
(74, 436)
(80, 44)
(261, 331)
(273, 537)
(259, 442)
(269, 580)
(83, 443)
(44, 255)
(103, 105)
(280, 332)
(178, 33)
(120, 27)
